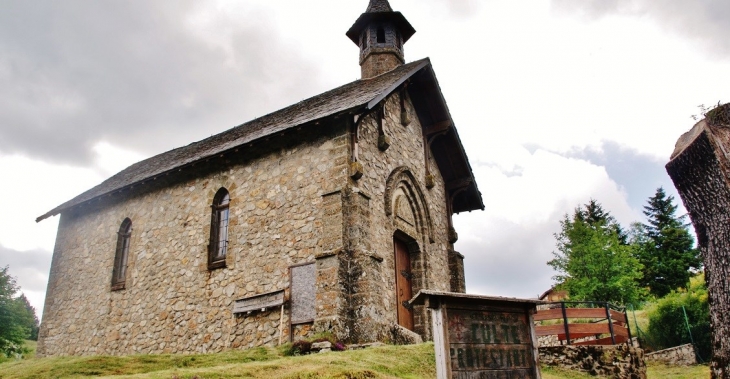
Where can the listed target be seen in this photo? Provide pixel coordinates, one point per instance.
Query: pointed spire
(380, 33)
(376, 6)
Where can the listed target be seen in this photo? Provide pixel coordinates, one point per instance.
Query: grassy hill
(415, 361)
(382, 362)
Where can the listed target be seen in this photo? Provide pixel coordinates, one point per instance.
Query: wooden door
(403, 287)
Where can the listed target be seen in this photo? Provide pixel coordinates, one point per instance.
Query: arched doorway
(403, 283)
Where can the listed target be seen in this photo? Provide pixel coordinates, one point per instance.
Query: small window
(218, 246)
(381, 35)
(119, 274)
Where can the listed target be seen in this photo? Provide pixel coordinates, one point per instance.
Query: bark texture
(699, 169)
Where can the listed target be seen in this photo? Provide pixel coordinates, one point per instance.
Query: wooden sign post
(481, 337)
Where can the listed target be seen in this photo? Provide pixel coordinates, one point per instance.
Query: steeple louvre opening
(380, 33)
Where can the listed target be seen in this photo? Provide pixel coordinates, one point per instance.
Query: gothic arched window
(119, 274)
(219, 230)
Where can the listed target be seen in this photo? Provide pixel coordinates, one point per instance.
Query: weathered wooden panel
(618, 316)
(484, 344)
(557, 314)
(258, 302)
(494, 374)
(303, 286)
(549, 314)
(547, 330)
(619, 330)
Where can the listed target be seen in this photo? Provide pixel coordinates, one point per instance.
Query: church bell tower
(380, 33)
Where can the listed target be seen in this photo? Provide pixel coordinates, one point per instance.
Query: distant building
(553, 294)
(340, 205)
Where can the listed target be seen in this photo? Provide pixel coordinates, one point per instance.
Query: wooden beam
(575, 329)
(438, 127)
(458, 184)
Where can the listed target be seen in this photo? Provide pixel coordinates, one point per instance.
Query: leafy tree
(13, 316)
(27, 316)
(667, 325)
(593, 261)
(667, 251)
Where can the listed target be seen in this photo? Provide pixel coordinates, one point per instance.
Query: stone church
(325, 216)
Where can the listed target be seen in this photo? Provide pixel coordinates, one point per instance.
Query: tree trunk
(699, 169)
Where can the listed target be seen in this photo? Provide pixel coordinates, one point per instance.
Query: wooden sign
(480, 337)
(259, 302)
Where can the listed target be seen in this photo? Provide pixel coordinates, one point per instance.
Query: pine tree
(667, 251)
(594, 214)
(593, 261)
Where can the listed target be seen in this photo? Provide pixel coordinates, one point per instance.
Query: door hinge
(407, 305)
(406, 274)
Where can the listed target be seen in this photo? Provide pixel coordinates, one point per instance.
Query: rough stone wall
(172, 303)
(619, 361)
(683, 355)
(456, 267)
(700, 170)
(378, 63)
(290, 204)
(421, 218)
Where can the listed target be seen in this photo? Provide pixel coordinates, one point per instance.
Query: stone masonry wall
(398, 172)
(619, 361)
(291, 204)
(683, 355)
(172, 303)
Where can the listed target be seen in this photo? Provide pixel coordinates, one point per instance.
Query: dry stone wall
(172, 303)
(683, 355)
(618, 361)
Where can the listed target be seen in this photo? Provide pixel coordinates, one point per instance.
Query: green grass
(31, 346)
(415, 361)
(654, 371)
(640, 317)
(555, 373)
(662, 371)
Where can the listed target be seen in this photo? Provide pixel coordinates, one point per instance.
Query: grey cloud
(137, 73)
(639, 174)
(704, 21)
(511, 260)
(30, 268)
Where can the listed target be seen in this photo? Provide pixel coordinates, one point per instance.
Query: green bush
(667, 326)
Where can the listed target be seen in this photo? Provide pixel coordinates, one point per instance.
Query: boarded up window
(303, 293)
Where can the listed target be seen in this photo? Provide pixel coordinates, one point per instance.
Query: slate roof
(379, 6)
(349, 96)
(360, 94)
(379, 11)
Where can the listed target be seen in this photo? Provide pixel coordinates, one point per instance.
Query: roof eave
(406, 29)
(474, 199)
(368, 103)
(63, 207)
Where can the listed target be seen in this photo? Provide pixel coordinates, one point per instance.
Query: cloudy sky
(556, 101)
